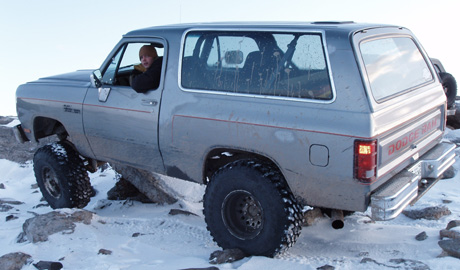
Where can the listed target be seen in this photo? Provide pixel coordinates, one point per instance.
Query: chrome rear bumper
(406, 187)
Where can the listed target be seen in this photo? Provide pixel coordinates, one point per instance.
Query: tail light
(365, 166)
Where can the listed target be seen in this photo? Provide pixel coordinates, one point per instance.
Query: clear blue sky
(46, 37)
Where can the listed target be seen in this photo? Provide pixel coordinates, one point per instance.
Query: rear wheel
(247, 205)
(61, 176)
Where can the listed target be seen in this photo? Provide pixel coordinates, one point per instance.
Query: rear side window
(277, 64)
(394, 65)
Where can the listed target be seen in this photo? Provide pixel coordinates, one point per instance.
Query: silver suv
(272, 117)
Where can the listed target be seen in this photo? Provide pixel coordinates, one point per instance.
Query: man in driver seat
(146, 76)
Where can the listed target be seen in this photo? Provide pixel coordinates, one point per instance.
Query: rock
(41, 205)
(5, 120)
(430, 213)
(124, 190)
(5, 205)
(101, 204)
(5, 208)
(451, 247)
(207, 268)
(37, 229)
(21, 238)
(311, 216)
(326, 267)
(453, 224)
(19, 152)
(2, 186)
(2, 201)
(369, 260)
(410, 264)
(443, 254)
(363, 254)
(396, 263)
(82, 216)
(104, 251)
(174, 212)
(146, 183)
(11, 217)
(14, 261)
(45, 265)
(449, 234)
(421, 236)
(226, 256)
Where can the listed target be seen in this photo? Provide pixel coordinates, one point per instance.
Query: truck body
(351, 115)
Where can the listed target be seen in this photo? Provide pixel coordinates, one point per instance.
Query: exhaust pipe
(337, 219)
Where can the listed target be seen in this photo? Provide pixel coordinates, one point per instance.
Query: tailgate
(411, 161)
(409, 141)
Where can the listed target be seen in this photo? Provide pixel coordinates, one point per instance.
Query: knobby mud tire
(62, 176)
(248, 205)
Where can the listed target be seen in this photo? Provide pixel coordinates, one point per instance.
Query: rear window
(291, 65)
(394, 65)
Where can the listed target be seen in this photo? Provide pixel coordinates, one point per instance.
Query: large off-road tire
(450, 87)
(247, 205)
(61, 176)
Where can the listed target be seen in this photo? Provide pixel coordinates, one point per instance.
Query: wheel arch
(45, 126)
(218, 157)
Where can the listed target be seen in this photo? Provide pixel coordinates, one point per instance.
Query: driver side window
(122, 65)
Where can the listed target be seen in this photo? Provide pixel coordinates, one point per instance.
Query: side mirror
(96, 82)
(96, 79)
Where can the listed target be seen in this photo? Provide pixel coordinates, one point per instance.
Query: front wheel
(61, 176)
(247, 205)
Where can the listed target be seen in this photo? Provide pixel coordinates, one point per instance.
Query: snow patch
(58, 149)
(145, 236)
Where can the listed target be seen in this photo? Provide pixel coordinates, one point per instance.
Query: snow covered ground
(146, 236)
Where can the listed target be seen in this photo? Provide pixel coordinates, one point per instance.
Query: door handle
(149, 102)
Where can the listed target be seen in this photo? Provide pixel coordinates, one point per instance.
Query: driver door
(122, 125)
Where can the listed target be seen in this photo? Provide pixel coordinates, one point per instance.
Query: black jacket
(150, 79)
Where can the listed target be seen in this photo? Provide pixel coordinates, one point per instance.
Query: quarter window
(258, 63)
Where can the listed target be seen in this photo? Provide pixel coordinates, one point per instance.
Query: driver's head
(147, 54)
